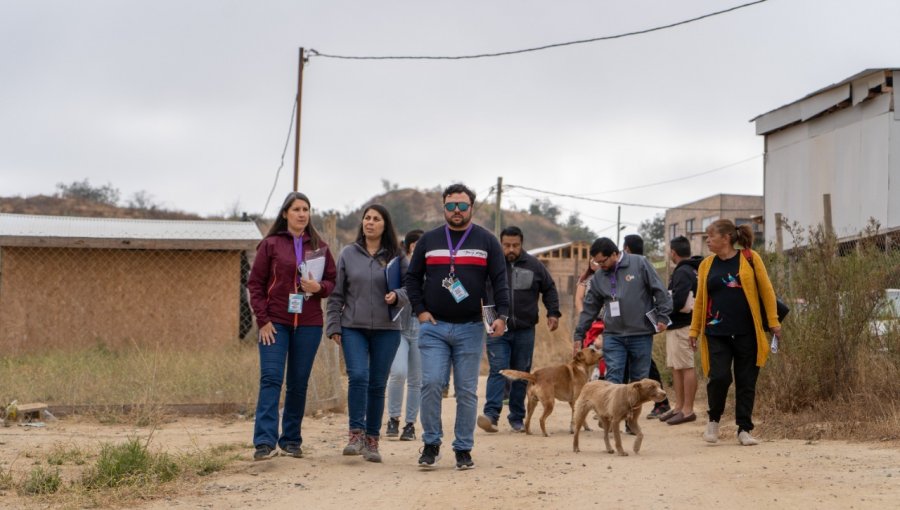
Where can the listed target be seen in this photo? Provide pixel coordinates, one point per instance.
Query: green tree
(654, 233)
(576, 230)
(85, 191)
(545, 208)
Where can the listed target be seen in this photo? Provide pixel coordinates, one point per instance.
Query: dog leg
(532, 403)
(618, 435)
(579, 414)
(548, 408)
(605, 423)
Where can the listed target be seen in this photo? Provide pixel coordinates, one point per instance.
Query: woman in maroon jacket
(287, 302)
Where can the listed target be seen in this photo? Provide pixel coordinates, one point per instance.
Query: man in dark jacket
(528, 278)
(679, 354)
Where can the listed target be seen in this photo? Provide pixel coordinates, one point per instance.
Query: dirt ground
(675, 468)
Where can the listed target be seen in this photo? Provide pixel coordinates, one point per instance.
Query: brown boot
(356, 443)
(370, 450)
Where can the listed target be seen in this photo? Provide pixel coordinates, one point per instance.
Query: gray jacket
(358, 297)
(638, 290)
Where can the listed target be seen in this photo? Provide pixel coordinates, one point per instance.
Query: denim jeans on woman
(407, 368)
(513, 350)
(368, 354)
(442, 345)
(298, 346)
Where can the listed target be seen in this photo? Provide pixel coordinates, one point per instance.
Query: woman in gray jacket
(361, 319)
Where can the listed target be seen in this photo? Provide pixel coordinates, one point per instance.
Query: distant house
(70, 282)
(837, 145)
(691, 219)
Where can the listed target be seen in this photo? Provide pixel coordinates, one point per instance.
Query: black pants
(739, 351)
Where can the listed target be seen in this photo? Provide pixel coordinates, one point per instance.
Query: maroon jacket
(273, 277)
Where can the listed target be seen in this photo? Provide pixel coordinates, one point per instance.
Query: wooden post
(779, 237)
(297, 129)
(498, 212)
(826, 204)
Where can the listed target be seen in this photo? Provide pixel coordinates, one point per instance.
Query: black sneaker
(292, 450)
(393, 427)
(464, 459)
(431, 453)
(263, 452)
(409, 432)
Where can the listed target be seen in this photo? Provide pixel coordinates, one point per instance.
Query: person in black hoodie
(528, 280)
(679, 354)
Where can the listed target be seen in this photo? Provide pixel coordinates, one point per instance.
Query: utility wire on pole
(303, 59)
(498, 212)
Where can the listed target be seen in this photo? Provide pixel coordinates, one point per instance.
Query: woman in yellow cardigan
(729, 323)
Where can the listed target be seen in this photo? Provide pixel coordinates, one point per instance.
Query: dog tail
(582, 406)
(516, 374)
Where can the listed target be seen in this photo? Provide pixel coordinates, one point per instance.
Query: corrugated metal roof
(28, 225)
(545, 249)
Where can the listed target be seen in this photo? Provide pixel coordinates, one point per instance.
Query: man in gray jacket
(635, 305)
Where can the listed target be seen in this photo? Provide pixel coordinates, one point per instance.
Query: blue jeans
(298, 346)
(513, 350)
(368, 354)
(442, 345)
(407, 368)
(636, 350)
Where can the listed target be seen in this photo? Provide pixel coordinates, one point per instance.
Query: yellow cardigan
(748, 283)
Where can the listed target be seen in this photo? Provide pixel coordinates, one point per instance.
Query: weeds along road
(674, 470)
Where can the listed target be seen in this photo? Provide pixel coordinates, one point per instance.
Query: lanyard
(612, 279)
(298, 254)
(458, 245)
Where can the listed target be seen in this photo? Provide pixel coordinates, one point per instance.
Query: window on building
(689, 226)
(707, 222)
(673, 231)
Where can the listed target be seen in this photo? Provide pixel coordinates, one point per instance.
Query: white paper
(315, 269)
(654, 320)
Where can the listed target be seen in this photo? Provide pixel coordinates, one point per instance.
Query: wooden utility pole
(297, 129)
(618, 224)
(498, 213)
(826, 205)
(779, 237)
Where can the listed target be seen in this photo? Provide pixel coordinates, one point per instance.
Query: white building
(842, 141)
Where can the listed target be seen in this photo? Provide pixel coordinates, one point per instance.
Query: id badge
(458, 291)
(614, 309)
(295, 303)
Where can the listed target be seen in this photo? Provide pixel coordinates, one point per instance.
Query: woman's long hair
(742, 235)
(388, 238)
(280, 224)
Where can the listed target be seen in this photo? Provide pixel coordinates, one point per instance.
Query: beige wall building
(690, 220)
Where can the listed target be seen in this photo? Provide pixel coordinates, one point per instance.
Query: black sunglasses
(452, 206)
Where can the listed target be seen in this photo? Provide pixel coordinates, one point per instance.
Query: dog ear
(634, 393)
(579, 357)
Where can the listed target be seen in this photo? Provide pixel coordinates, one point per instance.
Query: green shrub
(40, 481)
(129, 463)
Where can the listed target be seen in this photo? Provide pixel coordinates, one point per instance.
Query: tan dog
(561, 382)
(614, 403)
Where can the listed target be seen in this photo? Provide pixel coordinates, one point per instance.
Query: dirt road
(674, 470)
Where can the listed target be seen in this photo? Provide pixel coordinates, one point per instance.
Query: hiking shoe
(393, 427)
(712, 432)
(431, 453)
(370, 449)
(409, 432)
(292, 450)
(658, 410)
(517, 426)
(487, 423)
(746, 439)
(464, 459)
(356, 443)
(263, 452)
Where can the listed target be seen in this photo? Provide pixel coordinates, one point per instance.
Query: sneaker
(356, 443)
(431, 454)
(393, 427)
(658, 410)
(409, 432)
(292, 450)
(370, 449)
(517, 426)
(263, 452)
(712, 432)
(464, 459)
(746, 439)
(487, 423)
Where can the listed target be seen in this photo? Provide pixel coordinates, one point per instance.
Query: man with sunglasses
(629, 293)
(447, 285)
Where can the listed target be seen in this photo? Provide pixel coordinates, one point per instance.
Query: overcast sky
(191, 100)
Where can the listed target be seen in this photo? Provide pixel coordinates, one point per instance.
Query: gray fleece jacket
(358, 297)
(638, 289)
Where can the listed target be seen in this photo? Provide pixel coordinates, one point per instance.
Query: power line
(315, 53)
(628, 204)
(287, 141)
(675, 179)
